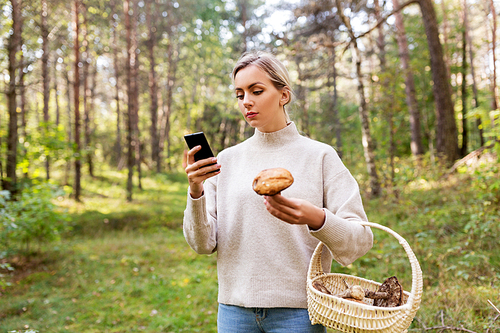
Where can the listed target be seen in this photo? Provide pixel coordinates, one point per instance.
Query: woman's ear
(285, 96)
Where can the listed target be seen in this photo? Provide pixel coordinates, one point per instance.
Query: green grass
(121, 282)
(125, 267)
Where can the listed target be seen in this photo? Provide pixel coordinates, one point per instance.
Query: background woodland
(97, 96)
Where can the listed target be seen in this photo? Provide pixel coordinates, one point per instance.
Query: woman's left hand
(295, 211)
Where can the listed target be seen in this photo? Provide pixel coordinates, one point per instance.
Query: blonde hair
(275, 70)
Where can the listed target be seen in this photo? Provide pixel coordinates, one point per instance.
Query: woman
(264, 245)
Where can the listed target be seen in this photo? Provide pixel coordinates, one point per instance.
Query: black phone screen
(199, 139)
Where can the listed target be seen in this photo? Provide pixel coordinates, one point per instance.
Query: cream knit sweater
(261, 260)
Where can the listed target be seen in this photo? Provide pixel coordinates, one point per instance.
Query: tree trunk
(45, 77)
(76, 97)
(56, 98)
(446, 128)
(301, 91)
(494, 102)
(173, 57)
(194, 93)
(91, 123)
(242, 6)
(153, 86)
(446, 30)
(10, 183)
(22, 95)
(114, 43)
(416, 145)
(475, 100)
(130, 92)
(134, 68)
(463, 148)
(386, 97)
(69, 127)
(367, 140)
(381, 43)
(332, 84)
(363, 111)
(86, 94)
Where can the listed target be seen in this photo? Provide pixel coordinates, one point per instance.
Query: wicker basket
(349, 316)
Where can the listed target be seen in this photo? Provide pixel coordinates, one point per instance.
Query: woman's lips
(250, 115)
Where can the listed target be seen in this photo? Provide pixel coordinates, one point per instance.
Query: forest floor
(125, 267)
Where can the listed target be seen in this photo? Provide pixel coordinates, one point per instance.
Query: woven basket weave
(350, 316)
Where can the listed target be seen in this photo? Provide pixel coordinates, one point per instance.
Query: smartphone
(199, 139)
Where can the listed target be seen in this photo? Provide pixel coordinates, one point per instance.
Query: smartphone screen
(199, 139)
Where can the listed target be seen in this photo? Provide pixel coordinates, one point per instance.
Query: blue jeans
(235, 319)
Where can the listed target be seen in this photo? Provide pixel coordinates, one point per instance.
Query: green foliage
(4, 267)
(39, 145)
(32, 217)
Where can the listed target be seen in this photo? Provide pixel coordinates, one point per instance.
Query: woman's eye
(258, 92)
(239, 96)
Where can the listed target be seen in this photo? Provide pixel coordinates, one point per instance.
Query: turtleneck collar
(278, 138)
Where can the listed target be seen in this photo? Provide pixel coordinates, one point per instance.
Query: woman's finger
(285, 210)
(190, 154)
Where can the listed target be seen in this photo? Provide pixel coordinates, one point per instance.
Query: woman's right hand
(200, 171)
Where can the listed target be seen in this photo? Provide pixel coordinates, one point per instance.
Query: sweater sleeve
(341, 232)
(200, 220)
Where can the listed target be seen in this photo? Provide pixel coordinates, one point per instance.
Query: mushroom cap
(272, 181)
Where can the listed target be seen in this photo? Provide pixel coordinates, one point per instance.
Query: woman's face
(260, 102)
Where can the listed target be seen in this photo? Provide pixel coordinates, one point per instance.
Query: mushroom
(272, 181)
(389, 294)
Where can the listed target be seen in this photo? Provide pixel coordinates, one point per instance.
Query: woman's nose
(247, 101)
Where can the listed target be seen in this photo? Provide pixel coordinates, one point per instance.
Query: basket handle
(316, 269)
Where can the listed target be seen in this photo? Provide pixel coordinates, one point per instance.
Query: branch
(383, 19)
(494, 319)
(494, 307)
(351, 32)
(475, 153)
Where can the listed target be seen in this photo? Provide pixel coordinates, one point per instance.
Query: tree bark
(134, 67)
(302, 94)
(416, 145)
(10, 183)
(153, 86)
(463, 148)
(475, 100)
(91, 123)
(446, 128)
(86, 96)
(130, 63)
(45, 76)
(494, 89)
(22, 93)
(114, 45)
(385, 98)
(363, 111)
(56, 98)
(446, 30)
(173, 58)
(242, 6)
(76, 97)
(332, 84)
(70, 125)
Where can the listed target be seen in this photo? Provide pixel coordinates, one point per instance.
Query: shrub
(32, 217)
